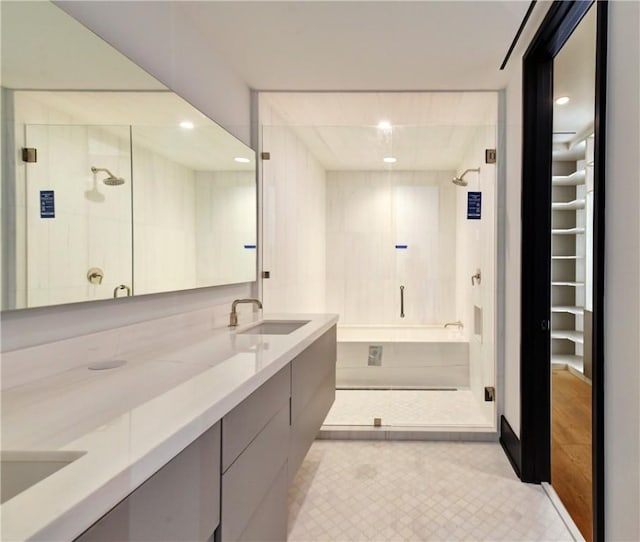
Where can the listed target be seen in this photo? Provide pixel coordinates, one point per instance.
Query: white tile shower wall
(164, 210)
(294, 222)
(368, 214)
(225, 235)
(476, 246)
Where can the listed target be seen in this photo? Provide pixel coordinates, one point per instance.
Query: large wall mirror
(111, 184)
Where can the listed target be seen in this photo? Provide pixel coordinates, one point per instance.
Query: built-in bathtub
(415, 357)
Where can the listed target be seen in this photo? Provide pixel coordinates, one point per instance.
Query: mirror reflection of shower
(459, 181)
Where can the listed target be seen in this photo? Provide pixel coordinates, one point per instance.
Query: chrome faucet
(457, 323)
(233, 315)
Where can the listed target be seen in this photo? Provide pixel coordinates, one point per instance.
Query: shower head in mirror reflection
(459, 181)
(111, 180)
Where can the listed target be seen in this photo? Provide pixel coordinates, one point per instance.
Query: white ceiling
(368, 109)
(155, 117)
(416, 148)
(362, 45)
(430, 131)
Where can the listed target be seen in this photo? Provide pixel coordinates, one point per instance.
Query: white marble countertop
(132, 420)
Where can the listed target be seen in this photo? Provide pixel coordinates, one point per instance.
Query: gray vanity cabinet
(255, 442)
(180, 502)
(313, 390)
(234, 479)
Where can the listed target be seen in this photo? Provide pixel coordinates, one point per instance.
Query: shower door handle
(401, 301)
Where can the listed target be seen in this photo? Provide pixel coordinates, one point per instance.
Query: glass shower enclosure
(383, 239)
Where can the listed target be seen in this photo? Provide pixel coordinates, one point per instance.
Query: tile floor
(406, 408)
(396, 491)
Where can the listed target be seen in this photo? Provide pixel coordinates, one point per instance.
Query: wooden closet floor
(571, 471)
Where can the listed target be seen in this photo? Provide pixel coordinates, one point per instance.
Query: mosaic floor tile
(416, 491)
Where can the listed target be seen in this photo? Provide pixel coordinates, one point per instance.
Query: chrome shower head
(459, 181)
(111, 180)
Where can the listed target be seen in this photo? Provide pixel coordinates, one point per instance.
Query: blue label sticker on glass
(402, 246)
(474, 205)
(47, 204)
(250, 246)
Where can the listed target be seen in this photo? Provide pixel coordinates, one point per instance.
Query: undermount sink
(21, 470)
(274, 327)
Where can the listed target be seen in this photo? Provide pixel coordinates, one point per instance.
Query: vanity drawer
(269, 521)
(252, 476)
(245, 421)
(310, 368)
(179, 503)
(305, 427)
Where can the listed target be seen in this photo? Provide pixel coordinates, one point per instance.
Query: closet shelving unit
(568, 258)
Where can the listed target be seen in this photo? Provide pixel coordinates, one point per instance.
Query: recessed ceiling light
(562, 100)
(390, 159)
(242, 159)
(384, 125)
(187, 125)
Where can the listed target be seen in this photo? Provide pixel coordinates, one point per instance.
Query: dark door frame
(535, 364)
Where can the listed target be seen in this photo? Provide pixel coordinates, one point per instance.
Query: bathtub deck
(409, 408)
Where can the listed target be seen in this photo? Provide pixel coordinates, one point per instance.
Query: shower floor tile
(350, 490)
(407, 408)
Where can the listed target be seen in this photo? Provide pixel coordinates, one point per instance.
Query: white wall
(512, 220)
(368, 213)
(622, 276)
(175, 53)
(476, 247)
(513, 236)
(294, 221)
